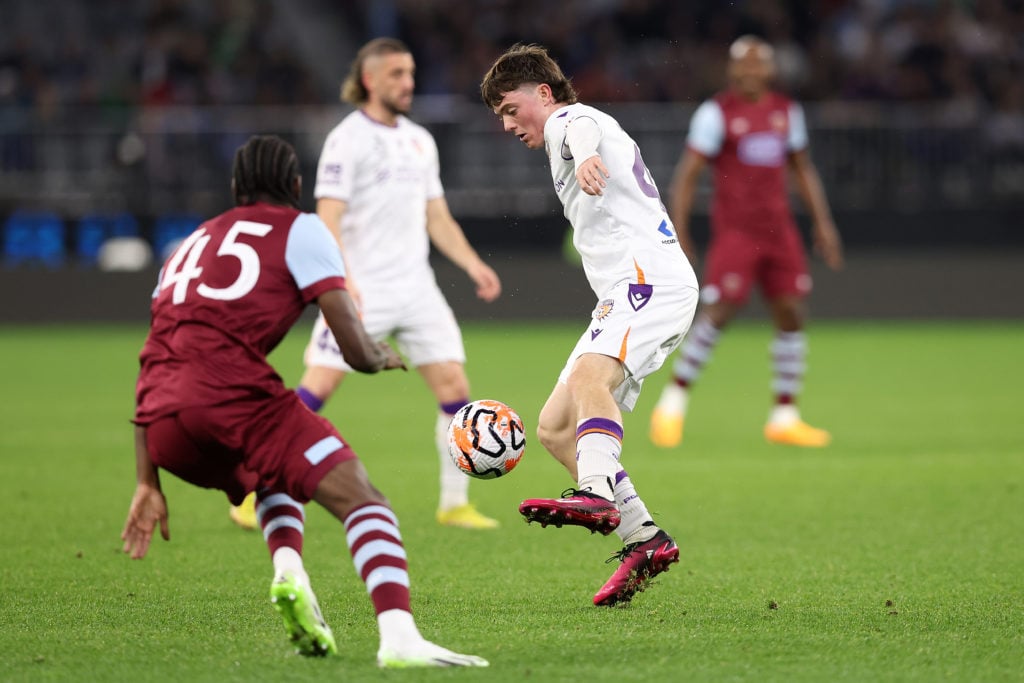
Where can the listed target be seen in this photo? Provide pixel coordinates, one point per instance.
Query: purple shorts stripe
(452, 407)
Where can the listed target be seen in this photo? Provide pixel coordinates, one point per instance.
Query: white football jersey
(386, 175)
(625, 233)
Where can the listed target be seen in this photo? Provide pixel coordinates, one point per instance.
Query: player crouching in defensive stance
(646, 293)
(212, 411)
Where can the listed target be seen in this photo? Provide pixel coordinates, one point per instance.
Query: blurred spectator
(154, 52)
(236, 52)
(665, 50)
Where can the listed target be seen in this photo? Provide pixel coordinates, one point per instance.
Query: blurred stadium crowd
(130, 111)
(156, 52)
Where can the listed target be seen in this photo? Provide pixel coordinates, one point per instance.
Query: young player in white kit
(646, 296)
(378, 189)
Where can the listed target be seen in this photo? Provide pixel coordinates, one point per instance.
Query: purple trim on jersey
(562, 115)
(452, 407)
(620, 475)
(379, 123)
(312, 402)
(599, 425)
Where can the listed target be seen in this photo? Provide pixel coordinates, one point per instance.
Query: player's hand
(828, 245)
(591, 175)
(147, 509)
(488, 285)
(392, 360)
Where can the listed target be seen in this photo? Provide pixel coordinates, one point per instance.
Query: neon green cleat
(297, 605)
(466, 517)
(244, 515)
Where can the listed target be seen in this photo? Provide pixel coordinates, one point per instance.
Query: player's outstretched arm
(358, 348)
(446, 234)
(827, 242)
(681, 193)
(148, 507)
(583, 135)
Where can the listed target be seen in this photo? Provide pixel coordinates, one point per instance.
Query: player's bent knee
(552, 438)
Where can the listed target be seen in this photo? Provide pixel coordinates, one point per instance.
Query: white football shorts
(641, 325)
(419, 319)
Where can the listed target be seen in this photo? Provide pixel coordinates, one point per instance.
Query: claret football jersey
(225, 298)
(748, 144)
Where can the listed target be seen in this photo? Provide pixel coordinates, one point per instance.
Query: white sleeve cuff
(582, 135)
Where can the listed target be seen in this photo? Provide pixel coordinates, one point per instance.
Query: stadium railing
(176, 160)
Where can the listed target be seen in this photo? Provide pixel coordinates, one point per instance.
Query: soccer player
(212, 411)
(646, 296)
(379, 191)
(750, 135)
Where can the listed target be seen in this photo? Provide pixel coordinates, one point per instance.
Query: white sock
(632, 510)
(696, 350)
(454, 483)
(674, 399)
(288, 561)
(598, 446)
(397, 629)
(789, 363)
(784, 414)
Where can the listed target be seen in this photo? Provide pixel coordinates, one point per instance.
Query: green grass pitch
(895, 554)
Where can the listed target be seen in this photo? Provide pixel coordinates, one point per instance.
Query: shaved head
(745, 45)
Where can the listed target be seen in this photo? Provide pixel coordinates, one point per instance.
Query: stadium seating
(95, 229)
(34, 237)
(171, 228)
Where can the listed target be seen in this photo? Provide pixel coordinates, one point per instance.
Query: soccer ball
(486, 439)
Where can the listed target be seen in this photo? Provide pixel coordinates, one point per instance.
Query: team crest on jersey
(739, 125)
(639, 295)
(603, 309)
(417, 146)
(777, 120)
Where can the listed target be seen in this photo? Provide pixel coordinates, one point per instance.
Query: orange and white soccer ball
(486, 439)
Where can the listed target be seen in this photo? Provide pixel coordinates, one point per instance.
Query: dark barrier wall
(908, 283)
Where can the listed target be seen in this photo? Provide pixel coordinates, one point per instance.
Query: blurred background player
(378, 189)
(212, 411)
(646, 293)
(750, 135)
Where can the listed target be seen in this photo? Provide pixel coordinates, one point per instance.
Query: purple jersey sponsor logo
(762, 149)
